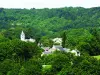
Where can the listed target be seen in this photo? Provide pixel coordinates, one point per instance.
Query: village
(49, 37)
(48, 50)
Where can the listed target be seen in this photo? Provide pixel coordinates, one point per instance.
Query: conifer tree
(64, 39)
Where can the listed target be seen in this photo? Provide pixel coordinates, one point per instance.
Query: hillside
(48, 21)
(79, 28)
(82, 25)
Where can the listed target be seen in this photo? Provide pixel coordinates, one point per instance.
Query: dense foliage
(79, 28)
(48, 21)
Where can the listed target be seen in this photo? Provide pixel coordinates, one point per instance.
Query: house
(45, 48)
(46, 51)
(59, 48)
(76, 52)
(57, 41)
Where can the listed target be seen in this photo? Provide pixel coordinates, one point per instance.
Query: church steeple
(22, 36)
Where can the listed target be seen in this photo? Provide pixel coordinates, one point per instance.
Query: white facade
(60, 48)
(22, 37)
(76, 52)
(57, 41)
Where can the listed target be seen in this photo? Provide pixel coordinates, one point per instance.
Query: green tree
(64, 39)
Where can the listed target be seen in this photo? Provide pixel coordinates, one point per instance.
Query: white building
(76, 52)
(48, 50)
(57, 41)
(22, 37)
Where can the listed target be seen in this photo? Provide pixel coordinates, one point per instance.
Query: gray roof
(59, 47)
(45, 48)
(66, 49)
(47, 52)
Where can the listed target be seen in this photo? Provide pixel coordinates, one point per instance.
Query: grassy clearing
(46, 67)
(98, 57)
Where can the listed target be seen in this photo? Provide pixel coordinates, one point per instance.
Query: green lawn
(98, 57)
(46, 67)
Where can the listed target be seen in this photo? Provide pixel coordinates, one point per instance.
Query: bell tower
(22, 36)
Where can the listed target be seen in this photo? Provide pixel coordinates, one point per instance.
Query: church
(22, 37)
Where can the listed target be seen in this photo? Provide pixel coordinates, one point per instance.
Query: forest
(79, 27)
